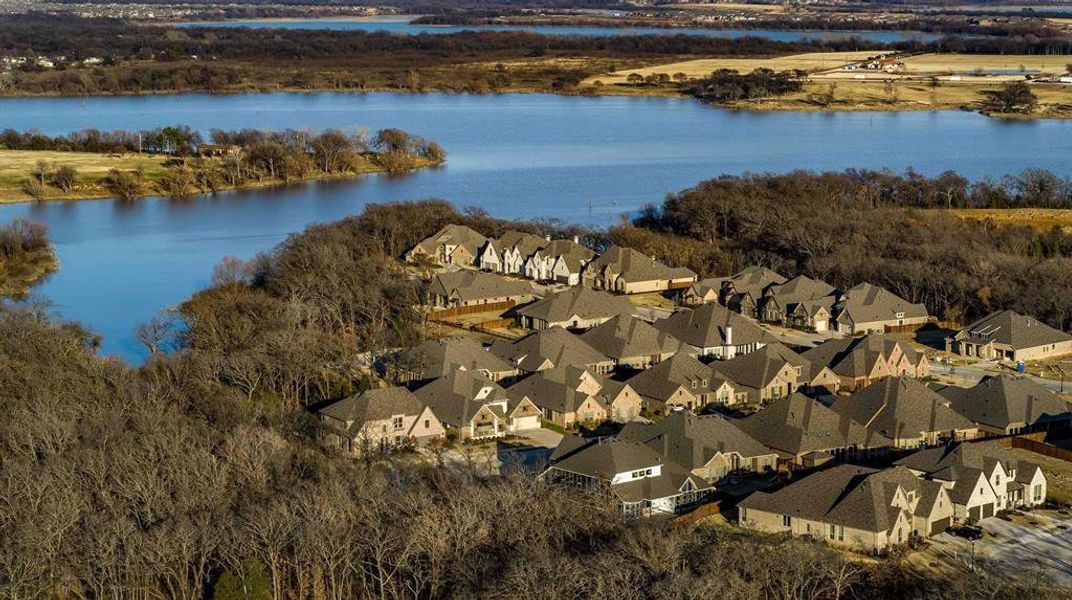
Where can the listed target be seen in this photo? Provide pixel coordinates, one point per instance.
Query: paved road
(974, 372)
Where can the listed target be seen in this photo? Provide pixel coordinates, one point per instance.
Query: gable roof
(556, 389)
(548, 348)
(758, 369)
(692, 441)
(634, 266)
(846, 495)
(475, 285)
(754, 280)
(798, 289)
(900, 407)
(1012, 329)
(524, 243)
(856, 356)
(374, 405)
(964, 463)
(458, 396)
(626, 336)
(577, 301)
(435, 358)
(797, 424)
(458, 235)
(705, 327)
(680, 370)
(1002, 400)
(567, 249)
(867, 303)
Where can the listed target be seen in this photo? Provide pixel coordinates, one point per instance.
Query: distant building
(628, 271)
(1006, 335)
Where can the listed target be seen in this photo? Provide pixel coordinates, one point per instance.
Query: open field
(1040, 218)
(811, 62)
(965, 63)
(728, 6)
(15, 165)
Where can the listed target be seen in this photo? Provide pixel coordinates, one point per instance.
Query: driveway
(974, 372)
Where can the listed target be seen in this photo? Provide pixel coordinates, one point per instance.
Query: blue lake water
(402, 25)
(578, 159)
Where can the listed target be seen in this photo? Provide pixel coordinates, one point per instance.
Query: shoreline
(28, 274)
(89, 196)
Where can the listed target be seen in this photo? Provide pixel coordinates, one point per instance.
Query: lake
(578, 159)
(401, 25)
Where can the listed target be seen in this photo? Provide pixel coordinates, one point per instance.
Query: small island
(176, 161)
(26, 257)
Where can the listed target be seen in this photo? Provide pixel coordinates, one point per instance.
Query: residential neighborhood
(788, 404)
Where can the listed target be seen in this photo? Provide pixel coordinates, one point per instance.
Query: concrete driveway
(974, 372)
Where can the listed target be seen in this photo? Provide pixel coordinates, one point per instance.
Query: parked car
(968, 532)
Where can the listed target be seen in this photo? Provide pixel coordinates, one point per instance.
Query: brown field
(961, 63)
(728, 6)
(1039, 218)
(16, 164)
(812, 62)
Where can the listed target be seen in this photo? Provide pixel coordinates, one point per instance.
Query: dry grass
(731, 6)
(1039, 218)
(15, 166)
(963, 63)
(811, 62)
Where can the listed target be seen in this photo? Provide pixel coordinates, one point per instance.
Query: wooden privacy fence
(1032, 442)
(493, 324)
(459, 311)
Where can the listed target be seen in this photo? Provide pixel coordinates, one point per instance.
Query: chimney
(729, 335)
(547, 237)
(576, 239)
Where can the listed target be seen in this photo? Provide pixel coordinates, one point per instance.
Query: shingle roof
(568, 249)
(680, 370)
(577, 301)
(754, 280)
(454, 397)
(846, 495)
(692, 441)
(900, 407)
(705, 327)
(856, 356)
(756, 369)
(548, 348)
(436, 358)
(558, 389)
(1012, 329)
(800, 289)
(474, 285)
(626, 337)
(868, 303)
(1003, 400)
(797, 424)
(459, 235)
(950, 461)
(374, 405)
(526, 244)
(634, 266)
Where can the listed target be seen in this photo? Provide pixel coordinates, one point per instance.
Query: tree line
(26, 256)
(856, 226)
(194, 476)
(727, 85)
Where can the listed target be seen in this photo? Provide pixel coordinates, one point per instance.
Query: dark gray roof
(454, 397)
(797, 424)
(846, 495)
(868, 303)
(626, 336)
(556, 389)
(474, 285)
(705, 327)
(1002, 400)
(757, 369)
(548, 348)
(901, 407)
(436, 358)
(799, 289)
(374, 405)
(856, 356)
(680, 370)
(634, 266)
(458, 235)
(1012, 329)
(577, 301)
(754, 280)
(950, 461)
(691, 441)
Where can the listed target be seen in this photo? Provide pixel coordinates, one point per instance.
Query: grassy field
(964, 63)
(15, 165)
(1040, 218)
(811, 62)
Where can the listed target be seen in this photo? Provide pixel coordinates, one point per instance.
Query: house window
(703, 383)
(837, 532)
(427, 423)
(997, 480)
(1036, 492)
(383, 429)
(641, 473)
(396, 422)
(693, 384)
(787, 521)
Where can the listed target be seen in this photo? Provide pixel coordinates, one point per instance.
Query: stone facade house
(704, 291)
(807, 434)
(864, 509)
(982, 478)
(681, 382)
(629, 271)
(1007, 405)
(508, 253)
(1006, 335)
(560, 261)
(451, 245)
(868, 308)
(743, 291)
(632, 343)
(801, 302)
(707, 446)
(907, 412)
(860, 361)
(472, 288)
(623, 403)
(549, 348)
(477, 407)
(641, 480)
(575, 308)
(713, 330)
(436, 358)
(566, 395)
(378, 420)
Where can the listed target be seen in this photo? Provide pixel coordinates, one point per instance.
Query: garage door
(988, 510)
(975, 513)
(526, 423)
(940, 525)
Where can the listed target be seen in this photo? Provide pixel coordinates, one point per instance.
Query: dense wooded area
(195, 475)
(857, 226)
(26, 256)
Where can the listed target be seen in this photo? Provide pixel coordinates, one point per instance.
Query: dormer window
(641, 473)
(396, 421)
(899, 315)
